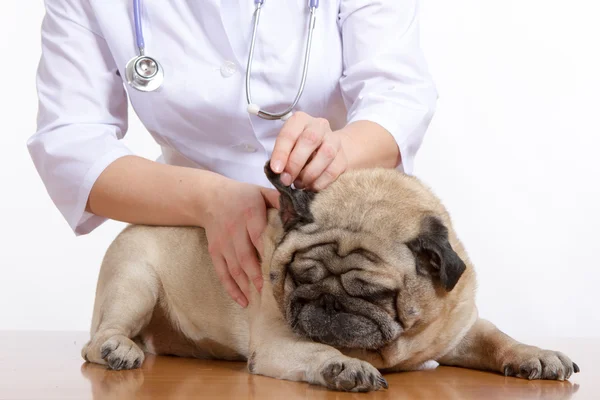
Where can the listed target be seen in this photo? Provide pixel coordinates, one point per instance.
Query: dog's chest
(163, 337)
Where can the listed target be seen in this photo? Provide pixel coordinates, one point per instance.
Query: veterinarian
(332, 85)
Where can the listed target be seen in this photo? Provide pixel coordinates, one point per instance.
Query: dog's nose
(330, 303)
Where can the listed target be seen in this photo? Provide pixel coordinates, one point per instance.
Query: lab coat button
(228, 69)
(246, 148)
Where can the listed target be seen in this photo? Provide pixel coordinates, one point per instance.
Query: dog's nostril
(322, 301)
(337, 306)
(330, 303)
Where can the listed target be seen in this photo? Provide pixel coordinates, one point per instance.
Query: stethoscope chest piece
(144, 73)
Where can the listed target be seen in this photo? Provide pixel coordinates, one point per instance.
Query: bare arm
(136, 190)
(368, 144)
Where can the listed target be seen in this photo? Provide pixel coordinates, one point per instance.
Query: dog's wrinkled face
(364, 261)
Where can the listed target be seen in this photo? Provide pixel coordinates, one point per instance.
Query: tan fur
(158, 292)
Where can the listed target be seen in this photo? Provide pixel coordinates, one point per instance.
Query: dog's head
(368, 259)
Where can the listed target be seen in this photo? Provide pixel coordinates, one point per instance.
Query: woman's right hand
(234, 220)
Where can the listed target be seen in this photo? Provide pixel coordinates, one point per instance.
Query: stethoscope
(145, 73)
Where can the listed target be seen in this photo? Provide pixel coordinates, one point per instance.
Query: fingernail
(259, 285)
(241, 302)
(298, 184)
(277, 166)
(286, 179)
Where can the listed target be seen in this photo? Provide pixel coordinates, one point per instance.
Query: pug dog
(365, 277)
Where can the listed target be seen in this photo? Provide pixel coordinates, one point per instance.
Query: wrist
(205, 193)
(348, 145)
(367, 144)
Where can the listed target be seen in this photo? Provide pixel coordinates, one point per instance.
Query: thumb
(271, 197)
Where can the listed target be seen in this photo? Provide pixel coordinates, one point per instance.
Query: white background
(511, 152)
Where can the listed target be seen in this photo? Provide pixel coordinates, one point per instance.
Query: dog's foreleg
(279, 353)
(125, 298)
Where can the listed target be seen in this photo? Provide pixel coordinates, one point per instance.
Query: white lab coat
(366, 64)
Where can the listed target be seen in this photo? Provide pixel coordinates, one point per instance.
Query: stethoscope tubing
(154, 82)
(311, 25)
(139, 34)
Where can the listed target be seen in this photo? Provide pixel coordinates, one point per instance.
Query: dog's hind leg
(126, 296)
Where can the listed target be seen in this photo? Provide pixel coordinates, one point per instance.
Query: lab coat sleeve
(82, 110)
(386, 78)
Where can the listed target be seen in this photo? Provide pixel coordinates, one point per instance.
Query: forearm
(136, 190)
(368, 144)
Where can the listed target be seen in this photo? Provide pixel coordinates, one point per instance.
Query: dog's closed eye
(359, 287)
(308, 271)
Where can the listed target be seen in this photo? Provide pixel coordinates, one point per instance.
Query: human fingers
(246, 256)
(285, 142)
(256, 224)
(235, 270)
(227, 281)
(323, 157)
(308, 142)
(271, 197)
(337, 167)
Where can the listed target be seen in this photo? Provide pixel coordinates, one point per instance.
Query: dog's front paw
(352, 375)
(120, 352)
(534, 363)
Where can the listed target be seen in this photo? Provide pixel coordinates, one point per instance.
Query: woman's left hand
(307, 153)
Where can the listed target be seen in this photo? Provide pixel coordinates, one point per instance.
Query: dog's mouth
(341, 322)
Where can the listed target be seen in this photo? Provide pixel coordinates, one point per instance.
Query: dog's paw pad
(352, 375)
(532, 363)
(120, 352)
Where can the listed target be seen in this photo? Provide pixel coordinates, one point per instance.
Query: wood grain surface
(48, 365)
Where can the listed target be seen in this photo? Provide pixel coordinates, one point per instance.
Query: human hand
(307, 153)
(234, 221)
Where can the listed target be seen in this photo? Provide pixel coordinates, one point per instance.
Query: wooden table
(48, 365)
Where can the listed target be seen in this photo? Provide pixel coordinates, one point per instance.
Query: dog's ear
(434, 254)
(294, 204)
